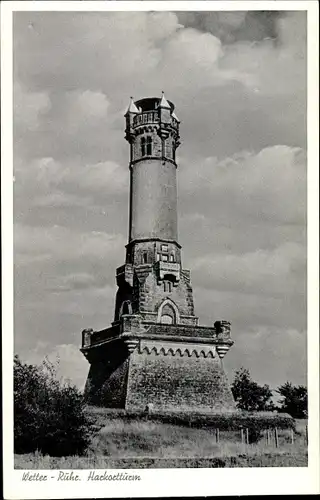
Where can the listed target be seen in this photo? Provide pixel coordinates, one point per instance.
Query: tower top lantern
(152, 120)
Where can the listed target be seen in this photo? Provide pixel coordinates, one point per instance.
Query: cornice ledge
(181, 339)
(177, 351)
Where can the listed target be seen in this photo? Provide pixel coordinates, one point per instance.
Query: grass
(139, 443)
(32, 461)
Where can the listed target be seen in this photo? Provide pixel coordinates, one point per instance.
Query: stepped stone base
(135, 365)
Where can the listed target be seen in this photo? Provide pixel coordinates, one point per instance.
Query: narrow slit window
(143, 146)
(145, 257)
(149, 146)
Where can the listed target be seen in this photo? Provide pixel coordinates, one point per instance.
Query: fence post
(307, 433)
(276, 437)
(247, 435)
(292, 437)
(217, 435)
(242, 436)
(268, 437)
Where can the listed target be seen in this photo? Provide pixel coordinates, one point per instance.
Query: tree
(49, 416)
(250, 396)
(294, 400)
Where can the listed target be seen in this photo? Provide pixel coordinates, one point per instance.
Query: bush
(227, 421)
(249, 395)
(294, 400)
(49, 415)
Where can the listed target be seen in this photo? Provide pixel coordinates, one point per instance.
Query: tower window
(145, 257)
(165, 258)
(149, 146)
(168, 315)
(171, 258)
(143, 146)
(164, 248)
(146, 146)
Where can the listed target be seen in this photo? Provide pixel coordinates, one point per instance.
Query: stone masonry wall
(151, 249)
(147, 294)
(175, 382)
(152, 294)
(107, 380)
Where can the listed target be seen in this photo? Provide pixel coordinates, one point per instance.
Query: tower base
(136, 365)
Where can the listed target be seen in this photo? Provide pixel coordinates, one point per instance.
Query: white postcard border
(162, 482)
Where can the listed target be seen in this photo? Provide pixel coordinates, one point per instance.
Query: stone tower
(155, 352)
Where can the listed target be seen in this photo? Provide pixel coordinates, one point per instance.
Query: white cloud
(74, 281)
(90, 103)
(84, 109)
(189, 49)
(107, 177)
(29, 107)
(267, 347)
(71, 365)
(58, 199)
(46, 176)
(59, 242)
(67, 360)
(274, 272)
(270, 184)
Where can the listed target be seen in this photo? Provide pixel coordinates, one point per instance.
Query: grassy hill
(144, 443)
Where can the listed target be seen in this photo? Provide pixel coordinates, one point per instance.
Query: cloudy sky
(238, 80)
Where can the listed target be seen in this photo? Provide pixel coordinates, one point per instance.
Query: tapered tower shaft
(152, 130)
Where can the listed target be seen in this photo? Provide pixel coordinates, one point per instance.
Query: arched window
(167, 315)
(168, 308)
(149, 146)
(126, 308)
